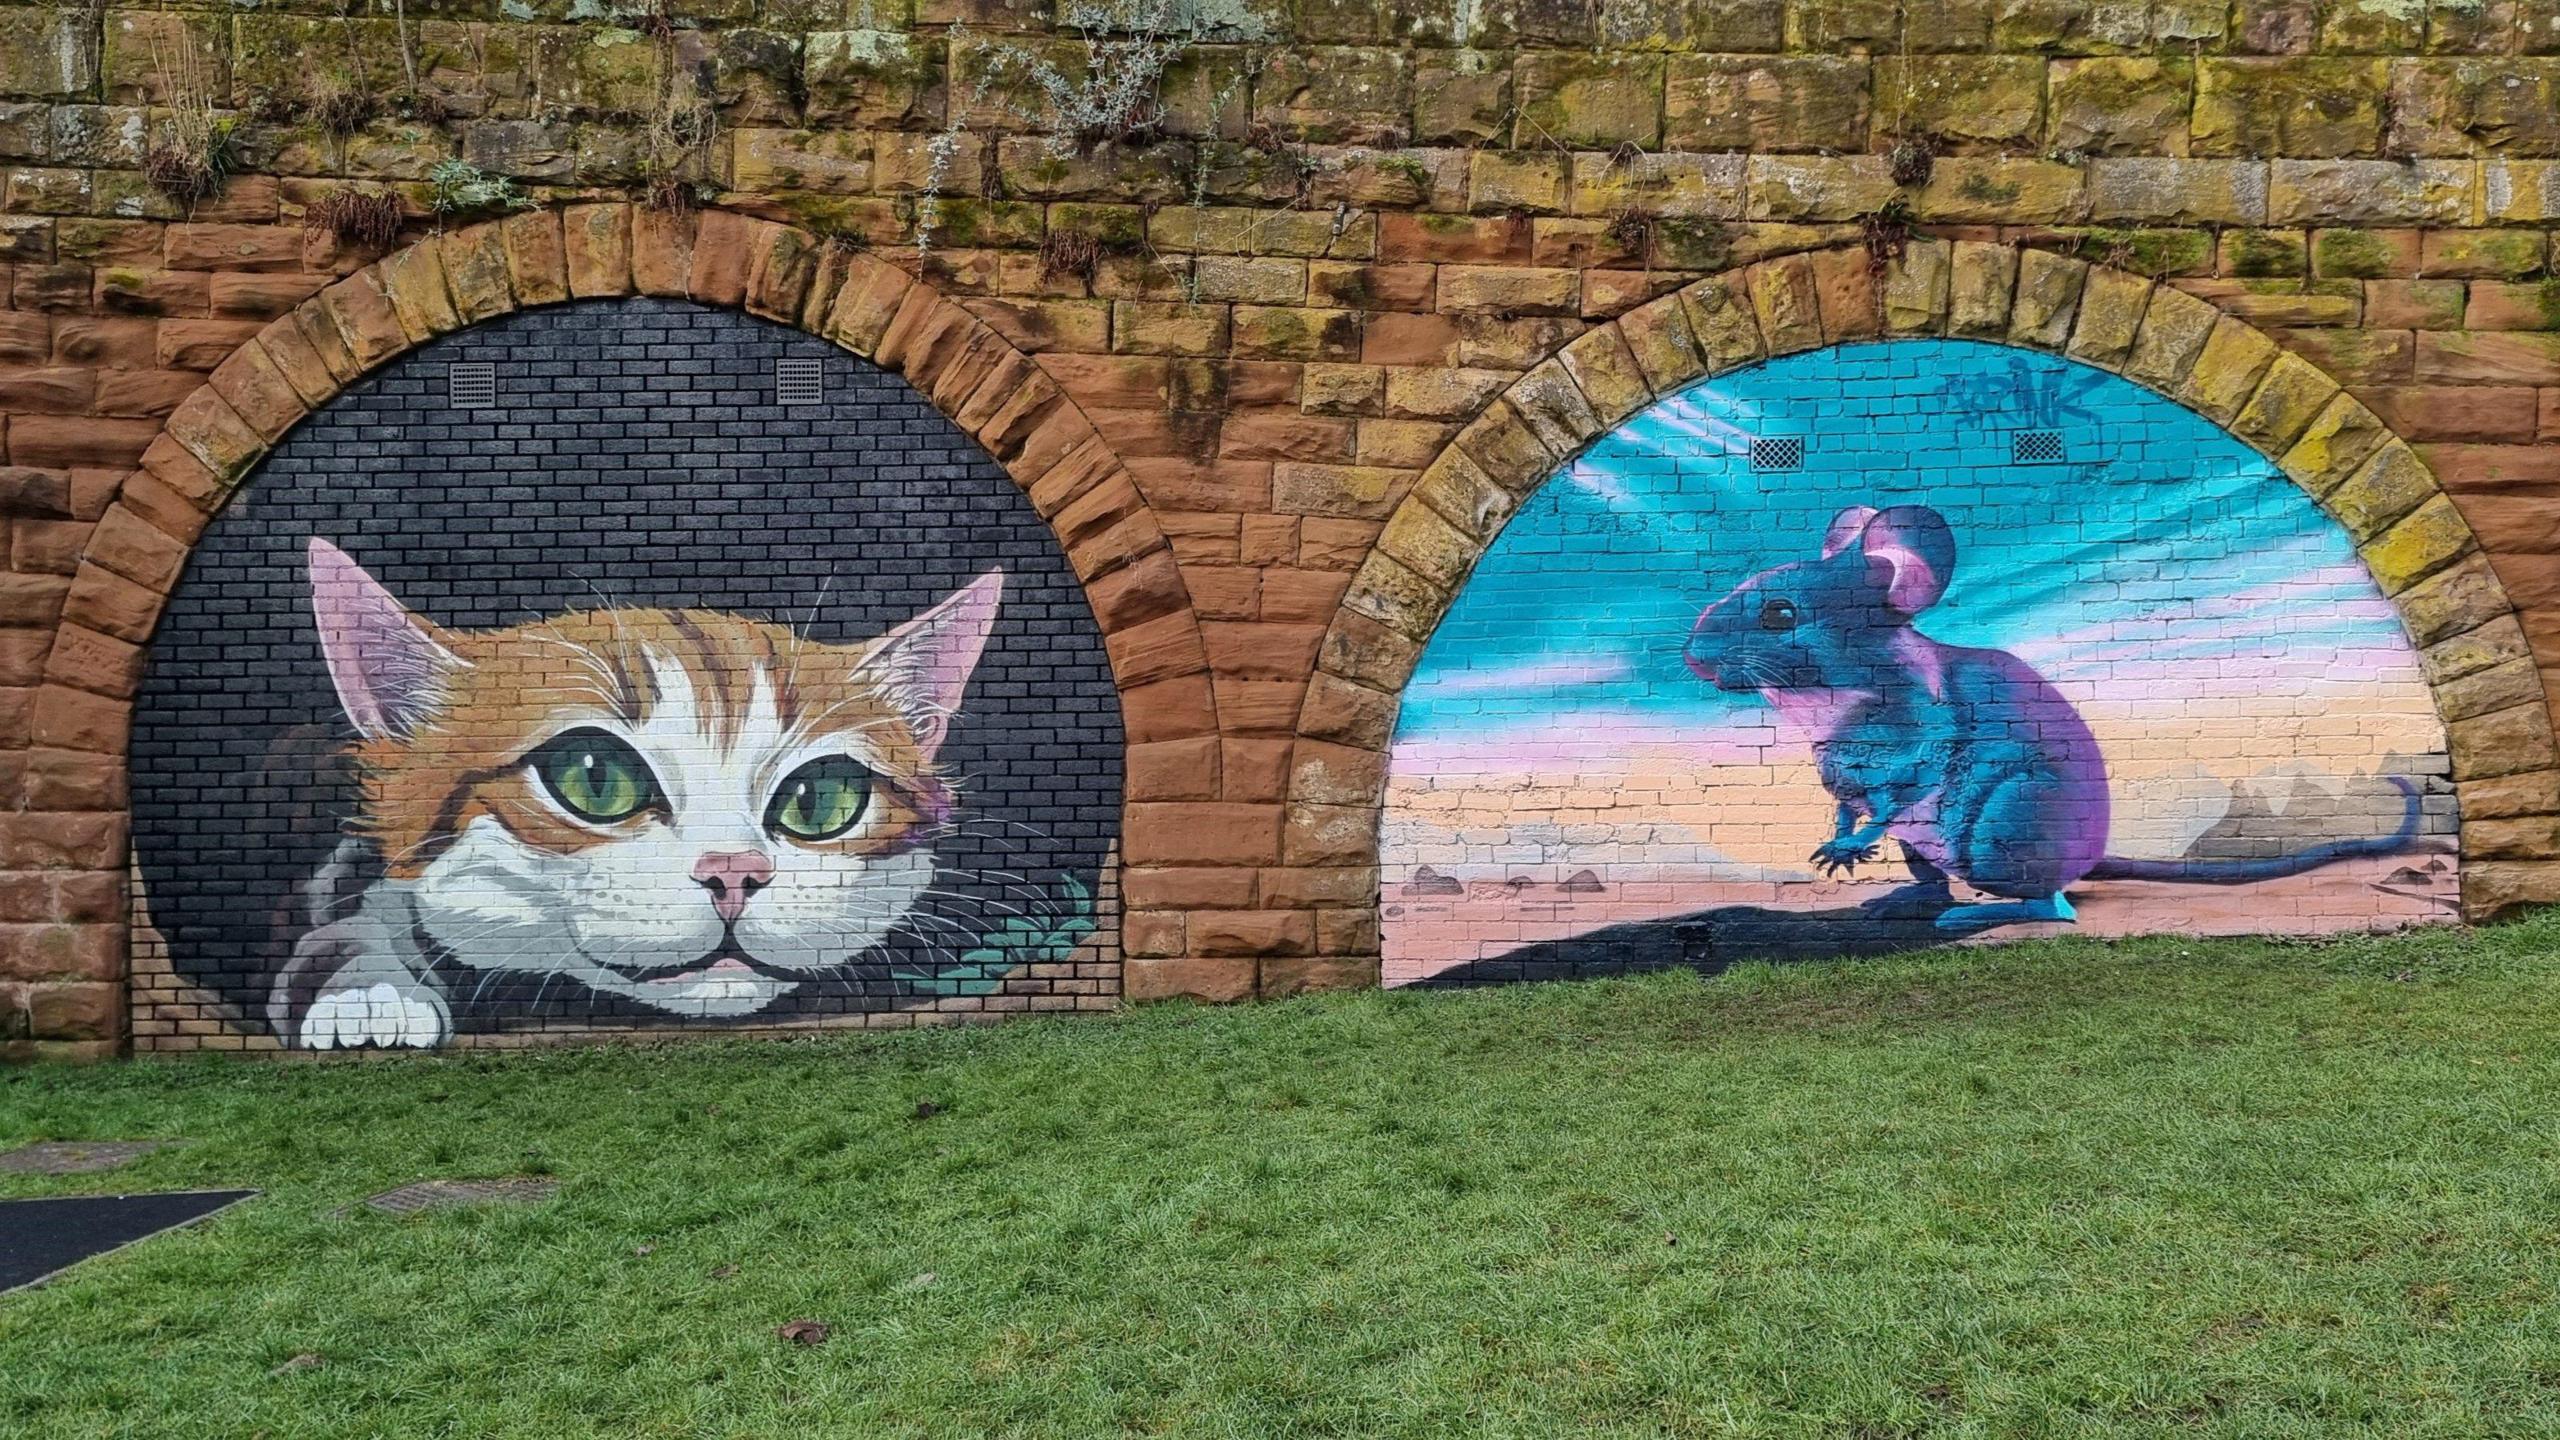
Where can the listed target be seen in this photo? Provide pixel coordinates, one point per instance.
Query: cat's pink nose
(732, 876)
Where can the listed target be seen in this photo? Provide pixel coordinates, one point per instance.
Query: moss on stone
(2120, 105)
(1683, 243)
(1113, 227)
(2502, 254)
(1979, 186)
(2356, 254)
(2264, 253)
(2310, 106)
(853, 218)
(2149, 252)
(1280, 329)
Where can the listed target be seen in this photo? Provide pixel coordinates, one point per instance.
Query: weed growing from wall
(1887, 233)
(194, 147)
(1112, 92)
(1071, 250)
(369, 219)
(1912, 159)
(676, 141)
(677, 133)
(338, 101)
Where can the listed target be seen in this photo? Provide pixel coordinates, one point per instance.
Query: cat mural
(690, 811)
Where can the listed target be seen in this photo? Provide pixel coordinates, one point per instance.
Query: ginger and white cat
(689, 810)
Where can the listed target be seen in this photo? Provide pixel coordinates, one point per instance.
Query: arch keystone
(413, 281)
(596, 247)
(2047, 299)
(475, 271)
(537, 262)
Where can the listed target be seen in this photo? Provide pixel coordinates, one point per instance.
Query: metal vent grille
(2035, 447)
(1778, 452)
(470, 385)
(798, 380)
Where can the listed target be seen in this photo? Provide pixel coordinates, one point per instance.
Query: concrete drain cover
(454, 1194)
(77, 1157)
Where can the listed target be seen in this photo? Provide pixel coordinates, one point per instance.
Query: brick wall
(1345, 242)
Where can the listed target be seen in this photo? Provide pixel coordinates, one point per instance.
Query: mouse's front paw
(1839, 857)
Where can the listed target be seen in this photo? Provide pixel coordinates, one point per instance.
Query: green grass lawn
(2064, 1188)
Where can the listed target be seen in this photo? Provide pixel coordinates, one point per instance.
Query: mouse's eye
(1777, 614)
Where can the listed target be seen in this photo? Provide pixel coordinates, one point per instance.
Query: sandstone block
(2386, 487)
(1982, 280)
(1916, 285)
(1756, 104)
(2431, 537)
(2226, 373)
(2047, 299)
(1145, 979)
(2292, 394)
(1722, 323)
(1988, 100)
(1783, 300)
(2112, 303)
(2370, 192)
(1582, 99)
(2310, 107)
(2335, 443)
(2120, 105)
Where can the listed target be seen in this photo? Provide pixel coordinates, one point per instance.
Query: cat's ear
(389, 670)
(928, 660)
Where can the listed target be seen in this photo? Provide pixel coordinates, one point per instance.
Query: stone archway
(2416, 546)
(73, 832)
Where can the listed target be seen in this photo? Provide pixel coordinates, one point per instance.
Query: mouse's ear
(1845, 529)
(1921, 551)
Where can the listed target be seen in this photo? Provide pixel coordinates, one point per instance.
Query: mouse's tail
(2274, 867)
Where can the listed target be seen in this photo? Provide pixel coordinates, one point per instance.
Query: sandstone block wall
(1358, 253)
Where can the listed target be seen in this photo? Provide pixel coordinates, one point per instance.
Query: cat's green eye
(821, 800)
(596, 776)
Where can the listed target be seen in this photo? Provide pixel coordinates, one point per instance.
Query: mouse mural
(1986, 645)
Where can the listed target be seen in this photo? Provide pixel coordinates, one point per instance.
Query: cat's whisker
(813, 723)
(995, 905)
(1007, 898)
(604, 603)
(1038, 886)
(928, 918)
(487, 979)
(988, 829)
(800, 632)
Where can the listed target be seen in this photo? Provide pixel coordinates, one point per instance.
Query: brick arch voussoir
(80, 719)
(2408, 533)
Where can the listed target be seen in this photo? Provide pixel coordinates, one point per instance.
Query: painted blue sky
(2159, 548)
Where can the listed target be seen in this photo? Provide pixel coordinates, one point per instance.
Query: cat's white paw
(381, 1014)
